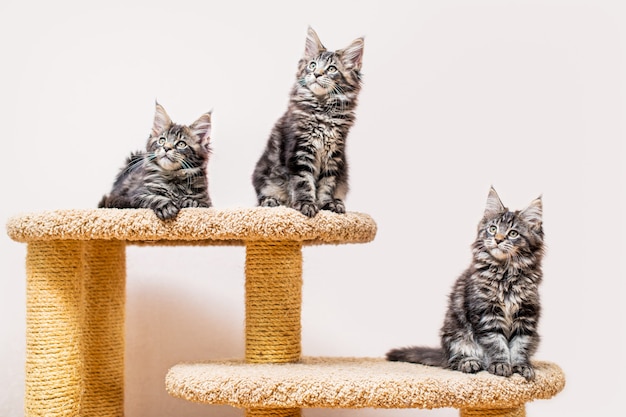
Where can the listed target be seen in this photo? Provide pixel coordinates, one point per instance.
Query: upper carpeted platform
(198, 226)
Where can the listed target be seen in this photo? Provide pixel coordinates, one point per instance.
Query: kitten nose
(499, 237)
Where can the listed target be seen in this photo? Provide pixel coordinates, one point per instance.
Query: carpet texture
(200, 226)
(356, 383)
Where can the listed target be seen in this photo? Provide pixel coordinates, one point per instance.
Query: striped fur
(493, 308)
(170, 174)
(304, 163)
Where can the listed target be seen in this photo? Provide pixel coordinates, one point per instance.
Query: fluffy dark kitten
(170, 174)
(304, 163)
(493, 308)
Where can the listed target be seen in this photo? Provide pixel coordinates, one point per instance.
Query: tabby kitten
(493, 308)
(304, 163)
(170, 174)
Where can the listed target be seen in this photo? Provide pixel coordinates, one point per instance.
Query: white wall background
(529, 96)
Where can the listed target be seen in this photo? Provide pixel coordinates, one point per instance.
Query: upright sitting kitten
(170, 174)
(493, 309)
(304, 163)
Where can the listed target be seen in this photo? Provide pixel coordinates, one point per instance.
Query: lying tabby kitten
(304, 163)
(170, 174)
(493, 309)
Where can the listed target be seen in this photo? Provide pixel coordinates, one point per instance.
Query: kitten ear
(494, 206)
(162, 121)
(202, 128)
(352, 56)
(313, 45)
(533, 214)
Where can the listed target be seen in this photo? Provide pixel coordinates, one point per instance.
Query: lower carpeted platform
(355, 383)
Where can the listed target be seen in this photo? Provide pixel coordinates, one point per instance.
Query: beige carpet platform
(355, 383)
(193, 226)
(76, 275)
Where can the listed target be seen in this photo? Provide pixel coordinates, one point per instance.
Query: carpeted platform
(356, 383)
(199, 226)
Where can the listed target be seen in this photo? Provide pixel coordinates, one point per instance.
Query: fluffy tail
(417, 354)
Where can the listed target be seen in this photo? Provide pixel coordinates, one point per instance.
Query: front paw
(335, 206)
(167, 211)
(470, 366)
(500, 369)
(307, 208)
(269, 202)
(525, 370)
(194, 203)
(189, 203)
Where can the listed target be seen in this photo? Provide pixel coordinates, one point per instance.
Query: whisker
(136, 160)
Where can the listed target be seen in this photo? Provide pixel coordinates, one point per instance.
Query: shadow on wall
(174, 314)
(171, 319)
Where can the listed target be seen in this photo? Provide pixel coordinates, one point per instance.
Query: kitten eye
(492, 229)
(513, 234)
(161, 140)
(312, 65)
(332, 69)
(181, 144)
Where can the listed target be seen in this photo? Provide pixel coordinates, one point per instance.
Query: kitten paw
(500, 369)
(527, 371)
(470, 366)
(307, 208)
(194, 203)
(336, 206)
(269, 202)
(190, 203)
(167, 211)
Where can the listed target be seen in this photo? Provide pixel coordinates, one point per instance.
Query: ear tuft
(202, 128)
(352, 56)
(494, 206)
(162, 121)
(533, 214)
(313, 46)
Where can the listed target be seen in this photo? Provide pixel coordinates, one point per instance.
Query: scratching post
(502, 412)
(273, 304)
(273, 412)
(273, 299)
(76, 267)
(75, 328)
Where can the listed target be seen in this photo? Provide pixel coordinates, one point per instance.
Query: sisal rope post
(273, 302)
(103, 305)
(273, 412)
(75, 328)
(494, 412)
(273, 309)
(53, 362)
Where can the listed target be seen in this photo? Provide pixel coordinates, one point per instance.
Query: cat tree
(76, 272)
